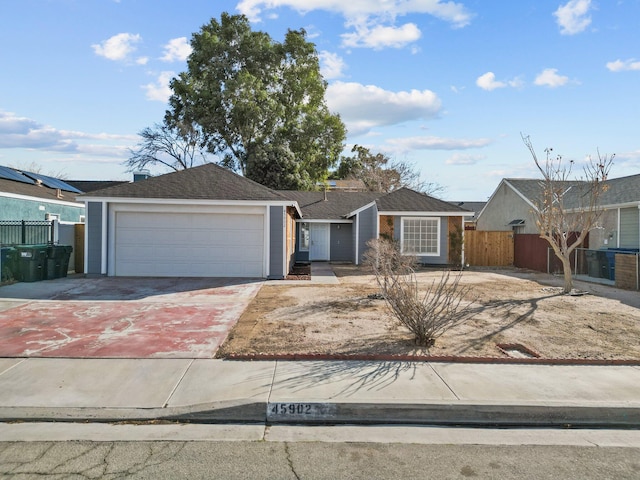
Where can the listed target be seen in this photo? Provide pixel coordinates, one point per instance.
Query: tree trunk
(568, 279)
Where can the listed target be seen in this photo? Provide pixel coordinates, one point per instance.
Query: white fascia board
(361, 209)
(41, 199)
(428, 214)
(323, 220)
(192, 201)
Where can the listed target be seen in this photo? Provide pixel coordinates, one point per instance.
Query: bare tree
(567, 209)
(177, 148)
(425, 312)
(381, 174)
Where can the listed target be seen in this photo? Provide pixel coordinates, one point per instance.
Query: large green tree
(259, 104)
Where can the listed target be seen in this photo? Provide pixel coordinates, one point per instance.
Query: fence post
(54, 231)
(24, 233)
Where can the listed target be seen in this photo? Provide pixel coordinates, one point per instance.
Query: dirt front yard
(516, 314)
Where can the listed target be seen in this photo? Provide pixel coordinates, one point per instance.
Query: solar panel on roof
(10, 174)
(52, 182)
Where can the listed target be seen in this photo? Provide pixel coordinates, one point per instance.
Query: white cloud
(22, 132)
(624, 65)
(449, 11)
(160, 91)
(437, 143)
(373, 21)
(488, 81)
(549, 78)
(573, 17)
(380, 36)
(363, 107)
(464, 159)
(178, 49)
(331, 65)
(117, 48)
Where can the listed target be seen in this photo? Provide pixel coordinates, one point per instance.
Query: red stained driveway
(121, 317)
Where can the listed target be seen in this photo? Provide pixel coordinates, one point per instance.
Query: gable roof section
(10, 188)
(205, 182)
(407, 200)
(337, 205)
(619, 191)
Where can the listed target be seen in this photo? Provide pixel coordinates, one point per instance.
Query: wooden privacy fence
(79, 247)
(488, 249)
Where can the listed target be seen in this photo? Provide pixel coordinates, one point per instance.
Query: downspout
(357, 262)
(267, 242)
(105, 237)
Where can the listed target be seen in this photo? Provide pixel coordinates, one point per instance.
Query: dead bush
(425, 312)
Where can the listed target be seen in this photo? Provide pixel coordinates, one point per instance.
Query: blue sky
(446, 86)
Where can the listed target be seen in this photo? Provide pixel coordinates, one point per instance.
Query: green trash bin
(32, 262)
(8, 264)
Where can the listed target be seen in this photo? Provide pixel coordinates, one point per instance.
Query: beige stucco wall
(504, 206)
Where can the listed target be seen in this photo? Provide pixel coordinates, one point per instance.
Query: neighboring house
(476, 208)
(208, 221)
(32, 196)
(86, 186)
(512, 207)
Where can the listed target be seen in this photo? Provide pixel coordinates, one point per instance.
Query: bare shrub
(427, 313)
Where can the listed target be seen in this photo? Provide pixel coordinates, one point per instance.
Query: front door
(319, 237)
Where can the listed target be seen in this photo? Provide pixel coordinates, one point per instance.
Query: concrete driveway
(77, 317)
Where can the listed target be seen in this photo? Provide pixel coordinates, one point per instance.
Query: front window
(304, 237)
(421, 236)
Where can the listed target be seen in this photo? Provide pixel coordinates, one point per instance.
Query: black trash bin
(593, 265)
(53, 262)
(32, 262)
(65, 256)
(8, 264)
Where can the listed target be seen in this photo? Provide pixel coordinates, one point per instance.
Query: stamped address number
(300, 411)
(291, 409)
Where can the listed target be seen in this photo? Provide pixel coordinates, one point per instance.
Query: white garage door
(189, 244)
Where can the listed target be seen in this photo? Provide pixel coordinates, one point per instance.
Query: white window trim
(302, 248)
(421, 254)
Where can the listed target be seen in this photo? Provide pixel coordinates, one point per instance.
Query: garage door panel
(154, 244)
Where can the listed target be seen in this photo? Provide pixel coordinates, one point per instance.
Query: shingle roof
(205, 182)
(87, 186)
(38, 191)
(619, 190)
(337, 205)
(475, 207)
(407, 200)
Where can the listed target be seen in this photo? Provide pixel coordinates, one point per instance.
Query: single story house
(208, 221)
(513, 204)
(33, 196)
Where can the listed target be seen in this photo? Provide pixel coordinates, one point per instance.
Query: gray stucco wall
(20, 209)
(276, 237)
(502, 208)
(93, 247)
(341, 248)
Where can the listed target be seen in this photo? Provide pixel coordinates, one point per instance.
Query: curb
(424, 358)
(313, 413)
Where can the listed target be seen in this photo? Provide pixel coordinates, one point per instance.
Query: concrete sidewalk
(318, 392)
